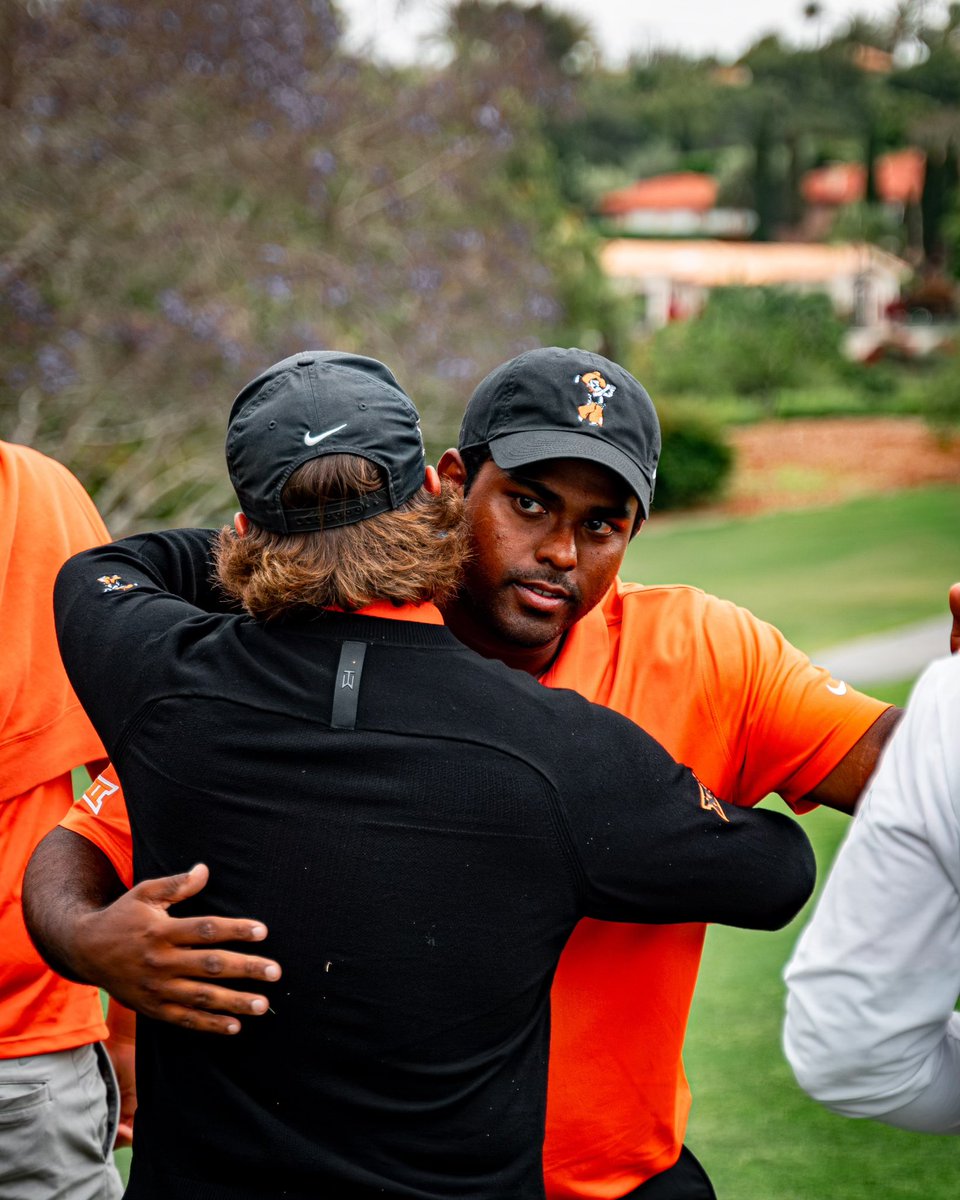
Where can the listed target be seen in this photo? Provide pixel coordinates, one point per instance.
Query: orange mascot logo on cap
(599, 391)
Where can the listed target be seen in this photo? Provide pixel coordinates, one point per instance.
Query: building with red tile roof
(683, 189)
(674, 278)
(899, 178)
(675, 205)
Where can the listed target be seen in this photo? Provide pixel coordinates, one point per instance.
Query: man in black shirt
(420, 828)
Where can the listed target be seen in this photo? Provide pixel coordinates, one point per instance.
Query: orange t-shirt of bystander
(44, 733)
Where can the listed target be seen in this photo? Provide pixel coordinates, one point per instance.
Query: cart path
(888, 657)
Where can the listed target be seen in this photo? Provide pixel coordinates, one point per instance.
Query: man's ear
(241, 524)
(431, 481)
(641, 521)
(451, 466)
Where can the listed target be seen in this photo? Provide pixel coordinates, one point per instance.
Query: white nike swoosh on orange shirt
(838, 689)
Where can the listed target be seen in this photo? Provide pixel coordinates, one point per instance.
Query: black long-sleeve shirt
(420, 837)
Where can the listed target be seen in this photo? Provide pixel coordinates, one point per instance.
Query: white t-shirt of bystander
(870, 1027)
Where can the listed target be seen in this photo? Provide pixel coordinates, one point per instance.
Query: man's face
(546, 540)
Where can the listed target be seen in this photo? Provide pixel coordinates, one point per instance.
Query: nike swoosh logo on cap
(312, 440)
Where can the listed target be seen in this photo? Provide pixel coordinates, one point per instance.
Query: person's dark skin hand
(955, 611)
(164, 967)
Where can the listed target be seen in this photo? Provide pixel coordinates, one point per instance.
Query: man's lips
(544, 597)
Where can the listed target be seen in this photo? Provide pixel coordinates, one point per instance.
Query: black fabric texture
(685, 1180)
(419, 875)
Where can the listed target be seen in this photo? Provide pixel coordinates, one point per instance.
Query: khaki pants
(58, 1119)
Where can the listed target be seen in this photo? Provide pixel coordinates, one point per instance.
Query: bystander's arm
(121, 1045)
(871, 1029)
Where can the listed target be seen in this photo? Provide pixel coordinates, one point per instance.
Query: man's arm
(89, 929)
(121, 1044)
(655, 845)
(843, 786)
(106, 602)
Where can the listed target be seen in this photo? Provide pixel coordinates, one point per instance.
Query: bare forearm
(67, 879)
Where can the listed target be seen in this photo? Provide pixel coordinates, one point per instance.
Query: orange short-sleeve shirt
(726, 694)
(100, 815)
(47, 517)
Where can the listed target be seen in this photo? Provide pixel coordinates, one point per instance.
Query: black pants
(685, 1180)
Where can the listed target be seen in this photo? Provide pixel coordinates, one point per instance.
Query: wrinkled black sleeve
(112, 607)
(654, 845)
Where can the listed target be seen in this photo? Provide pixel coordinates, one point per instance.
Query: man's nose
(559, 548)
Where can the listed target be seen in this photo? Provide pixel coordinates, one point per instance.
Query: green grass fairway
(821, 575)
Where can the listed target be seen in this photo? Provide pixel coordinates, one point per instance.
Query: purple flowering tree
(194, 189)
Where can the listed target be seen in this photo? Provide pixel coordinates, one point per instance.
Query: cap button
(304, 360)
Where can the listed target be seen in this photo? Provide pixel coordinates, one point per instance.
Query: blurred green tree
(695, 462)
(746, 342)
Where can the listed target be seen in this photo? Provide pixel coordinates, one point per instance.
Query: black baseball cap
(566, 403)
(312, 404)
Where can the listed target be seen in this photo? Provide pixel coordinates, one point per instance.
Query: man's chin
(530, 632)
(508, 627)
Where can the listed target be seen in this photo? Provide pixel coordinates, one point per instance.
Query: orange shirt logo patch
(97, 792)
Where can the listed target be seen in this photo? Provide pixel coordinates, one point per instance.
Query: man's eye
(604, 528)
(527, 504)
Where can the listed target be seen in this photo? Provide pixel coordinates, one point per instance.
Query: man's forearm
(66, 879)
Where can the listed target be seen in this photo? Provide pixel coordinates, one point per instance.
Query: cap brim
(535, 445)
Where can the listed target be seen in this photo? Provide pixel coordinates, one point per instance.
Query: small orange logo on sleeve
(114, 583)
(709, 802)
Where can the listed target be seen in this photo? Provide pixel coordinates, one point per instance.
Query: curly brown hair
(410, 555)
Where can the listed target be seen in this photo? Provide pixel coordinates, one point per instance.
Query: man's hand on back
(168, 968)
(165, 967)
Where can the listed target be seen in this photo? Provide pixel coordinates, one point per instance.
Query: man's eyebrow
(535, 485)
(621, 511)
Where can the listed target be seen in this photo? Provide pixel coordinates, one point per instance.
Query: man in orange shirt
(723, 691)
(58, 1095)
